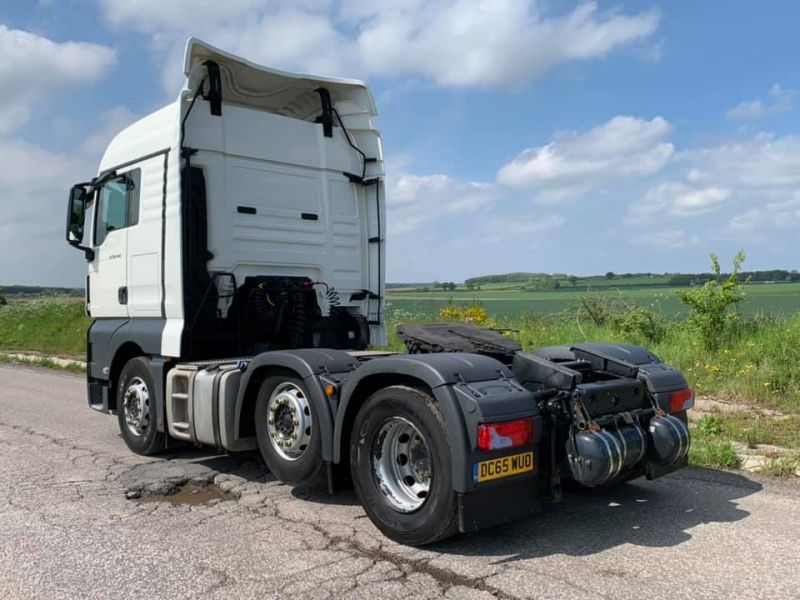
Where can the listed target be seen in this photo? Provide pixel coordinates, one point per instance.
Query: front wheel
(401, 466)
(136, 406)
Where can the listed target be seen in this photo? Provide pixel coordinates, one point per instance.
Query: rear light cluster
(508, 434)
(681, 400)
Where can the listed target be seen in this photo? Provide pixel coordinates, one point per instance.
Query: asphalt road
(68, 531)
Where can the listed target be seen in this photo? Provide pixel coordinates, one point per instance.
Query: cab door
(116, 209)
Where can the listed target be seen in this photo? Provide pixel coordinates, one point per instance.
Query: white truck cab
(251, 173)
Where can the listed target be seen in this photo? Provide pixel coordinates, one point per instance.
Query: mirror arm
(87, 251)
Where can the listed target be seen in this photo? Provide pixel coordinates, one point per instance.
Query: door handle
(122, 294)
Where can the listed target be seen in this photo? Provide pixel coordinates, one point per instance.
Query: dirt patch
(187, 494)
(705, 405)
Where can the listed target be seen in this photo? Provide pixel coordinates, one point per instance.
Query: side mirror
(76, 219)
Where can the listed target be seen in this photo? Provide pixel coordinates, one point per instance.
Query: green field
(508, 301)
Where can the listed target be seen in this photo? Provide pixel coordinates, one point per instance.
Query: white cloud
(107, 125)
(622, 148)
(34, 67)
(786, 213)
(34, 183)
(674, 239)
(462, 43)
(491, 43)
(676, 199)
(33, 192)
(746, 221)
(780, 100)
(413, 200)
(779, 215)
(758, 163)
(500, 230)
(757, 178)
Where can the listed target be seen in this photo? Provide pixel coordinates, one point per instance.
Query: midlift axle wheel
(286, 430)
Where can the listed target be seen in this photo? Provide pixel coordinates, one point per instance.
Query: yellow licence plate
(486, 470)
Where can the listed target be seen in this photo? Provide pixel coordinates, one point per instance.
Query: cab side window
(117, 205)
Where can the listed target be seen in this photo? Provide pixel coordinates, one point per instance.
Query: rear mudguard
(660, 378)
(469, 388)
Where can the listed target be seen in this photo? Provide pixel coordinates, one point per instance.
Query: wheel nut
(295, 422)
(270, 421)
(294, 436)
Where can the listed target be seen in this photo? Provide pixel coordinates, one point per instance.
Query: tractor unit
(235, 242)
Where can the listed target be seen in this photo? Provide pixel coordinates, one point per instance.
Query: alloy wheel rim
(401, 464)
(136, 406)
(289, 422)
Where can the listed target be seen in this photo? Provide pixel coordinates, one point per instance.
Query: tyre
(401, 467)
(287, 430)
(136, 406)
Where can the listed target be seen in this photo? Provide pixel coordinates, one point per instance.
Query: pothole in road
(187, 494)
(187, 483)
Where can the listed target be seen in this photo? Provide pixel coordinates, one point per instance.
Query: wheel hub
(136, 406)
(289, 421)
(401, 464)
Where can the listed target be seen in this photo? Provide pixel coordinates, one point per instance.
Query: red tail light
(508, 434)
(681, 400)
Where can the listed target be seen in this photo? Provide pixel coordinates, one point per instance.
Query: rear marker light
(508, 434)
(681, 400)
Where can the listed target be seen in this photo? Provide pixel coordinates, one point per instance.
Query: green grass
(709, 451)
(782, 466)
(760, 364)
(507, 300)
(48, 325)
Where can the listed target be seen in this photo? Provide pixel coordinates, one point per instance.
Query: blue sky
(554, 136)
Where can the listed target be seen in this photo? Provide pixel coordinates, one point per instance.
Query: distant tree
(610, 275)
(3, 300)
(436, 285)
(469, 285)
(573, 280)
(543, 282)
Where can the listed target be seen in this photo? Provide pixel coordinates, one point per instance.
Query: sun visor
(288, 94)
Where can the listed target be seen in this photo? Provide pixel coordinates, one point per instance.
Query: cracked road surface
(68, 531)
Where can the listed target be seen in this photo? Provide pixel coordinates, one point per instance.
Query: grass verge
(41, 361)
(48, 325)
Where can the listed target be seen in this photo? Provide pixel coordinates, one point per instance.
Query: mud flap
(497, 504)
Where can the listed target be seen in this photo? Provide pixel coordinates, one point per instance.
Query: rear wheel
(287, 430)
(401, 467)
(136, 406)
